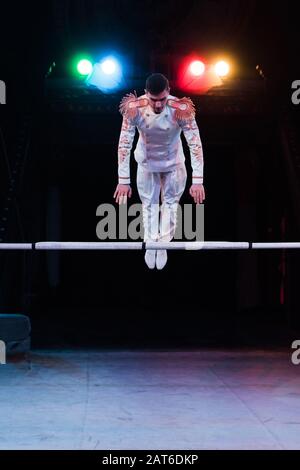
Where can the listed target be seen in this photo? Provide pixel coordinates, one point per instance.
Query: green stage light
(84, 67)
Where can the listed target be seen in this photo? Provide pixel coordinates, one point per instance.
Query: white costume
(160, 158)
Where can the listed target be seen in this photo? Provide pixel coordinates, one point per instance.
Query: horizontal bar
(89, 246)
(139, 245)
(149, 245)
(15, 246)
(197, 245)
(275, 246)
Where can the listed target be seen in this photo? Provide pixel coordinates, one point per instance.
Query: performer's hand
(122, 192)
(197, 192)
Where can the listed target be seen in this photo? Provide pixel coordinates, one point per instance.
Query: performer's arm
(192, 135)
(124, 150)
(123, 189)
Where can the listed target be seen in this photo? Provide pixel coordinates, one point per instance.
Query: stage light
(109, 66)
(222, 68)
(196, 75)
(107, 74)
(84, 67)
(197, 68)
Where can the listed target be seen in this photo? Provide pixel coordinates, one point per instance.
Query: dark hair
(157, 83)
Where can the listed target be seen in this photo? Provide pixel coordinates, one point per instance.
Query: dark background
(58, 163)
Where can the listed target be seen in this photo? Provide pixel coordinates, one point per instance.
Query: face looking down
(158, 102)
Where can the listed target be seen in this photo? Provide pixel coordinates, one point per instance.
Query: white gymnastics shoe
(161, 259)
(150, 258)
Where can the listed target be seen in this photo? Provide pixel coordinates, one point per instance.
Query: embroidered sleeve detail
(192, 135)
(124, 149)
(130, 104)
(185, 108)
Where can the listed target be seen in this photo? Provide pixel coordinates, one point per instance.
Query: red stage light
(195, 75)
(197, 68)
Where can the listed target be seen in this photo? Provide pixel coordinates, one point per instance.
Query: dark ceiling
(34, 35)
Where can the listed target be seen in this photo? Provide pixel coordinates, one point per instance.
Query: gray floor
(151, 400)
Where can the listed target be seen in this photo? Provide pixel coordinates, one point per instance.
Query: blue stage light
(107, 74)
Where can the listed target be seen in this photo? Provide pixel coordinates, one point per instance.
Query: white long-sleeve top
(159, 146)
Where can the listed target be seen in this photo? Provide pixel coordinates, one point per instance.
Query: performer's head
(157, 91)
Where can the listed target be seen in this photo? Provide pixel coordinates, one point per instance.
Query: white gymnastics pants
(167, 185)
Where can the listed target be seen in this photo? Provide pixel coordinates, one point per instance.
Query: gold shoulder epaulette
(130, 104)
(185, 108)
